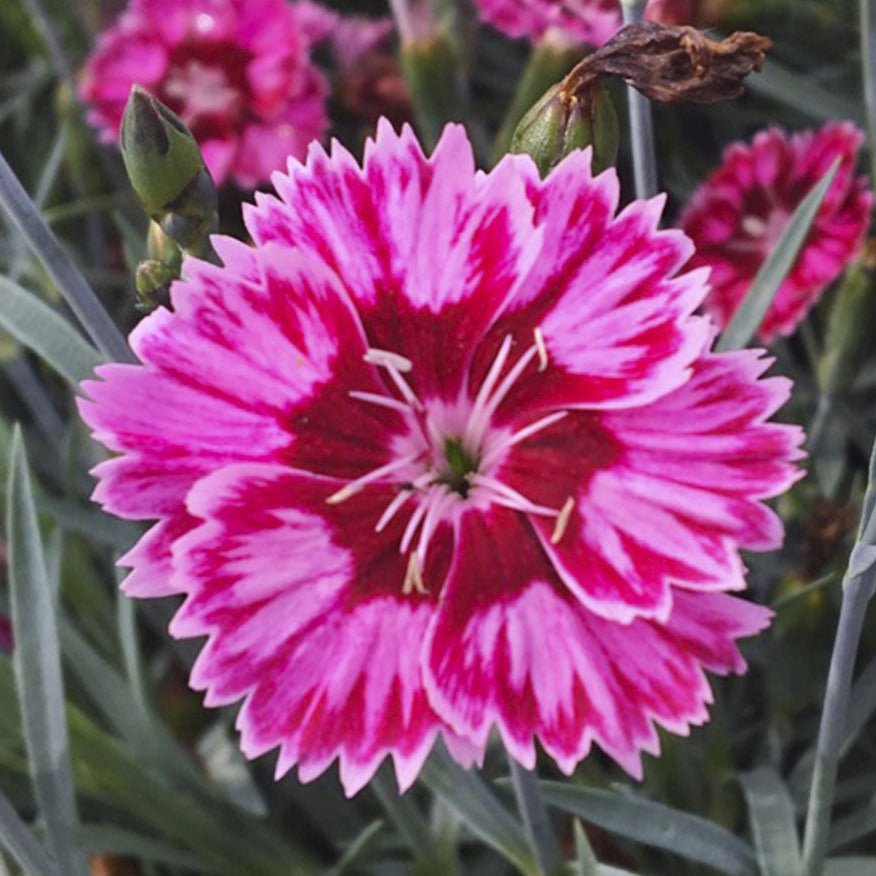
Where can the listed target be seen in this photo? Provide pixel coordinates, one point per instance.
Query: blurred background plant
(103, 748)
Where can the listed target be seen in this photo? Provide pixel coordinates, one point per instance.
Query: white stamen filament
(392, 508)
(509, 497)
(437, 502)
(510, 379)
(413, 577)
(384, 401)
(496, 450)
(413, 524)
(488, 400)
(541, 346)
(354, 486)
(395, 365)
(563, 521)
(491, 378)
(387, 359)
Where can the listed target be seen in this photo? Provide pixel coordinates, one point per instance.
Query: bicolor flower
(445, 451)
(238, 72)
(737, 215)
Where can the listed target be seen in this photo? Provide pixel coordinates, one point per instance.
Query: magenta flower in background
(738, 213)
(593, 22)
(238, 72)
(586, 21)
(446, 451)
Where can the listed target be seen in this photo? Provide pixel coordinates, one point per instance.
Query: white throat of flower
(472, 457)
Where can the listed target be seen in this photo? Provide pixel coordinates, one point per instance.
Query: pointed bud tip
(161, 156)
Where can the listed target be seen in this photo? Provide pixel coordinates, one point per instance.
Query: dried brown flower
(669, 63)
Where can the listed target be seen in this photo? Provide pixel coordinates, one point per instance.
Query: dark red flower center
(206, 82)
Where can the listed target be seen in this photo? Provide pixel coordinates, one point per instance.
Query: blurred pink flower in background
(584, 21)
(238, 72)
(738, 213)
(587, 21)
(446, 451)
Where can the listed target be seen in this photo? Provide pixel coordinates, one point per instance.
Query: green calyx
(562, 121)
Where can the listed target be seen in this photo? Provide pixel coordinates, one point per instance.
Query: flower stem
(72, 285)
(833, 722)
(859, 585)
(534, 815)
(641, 121)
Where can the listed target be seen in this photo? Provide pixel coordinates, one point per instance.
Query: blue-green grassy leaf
(37, 662)
(654, 824)
(465, 792)
(356, 849)
(21, 843)
(19, 207)
(773, 825)
(585, 859)
(774, 270)
(799, 92)
(105, 839)
(851, 866)
(41, 329)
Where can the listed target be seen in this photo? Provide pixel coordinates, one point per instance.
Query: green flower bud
(168, 174)
(153, 280)
(159, 151)
(562, 121)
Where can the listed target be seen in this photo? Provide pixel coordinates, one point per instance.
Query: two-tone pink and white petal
(520, 653)
(303, 607)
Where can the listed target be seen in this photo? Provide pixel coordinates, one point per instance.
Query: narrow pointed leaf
(656, 825)
(774, 270)
(356, 849)
(37, 661)
(24, 214)
(21, 843)
(586, 863)
(41, 329)
(773, 826)
(481, 812)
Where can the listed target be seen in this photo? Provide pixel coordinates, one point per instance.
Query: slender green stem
(534, 815)
(72, 285)
(641, 121)
(868, 71)
(833, 722)
(547, 64)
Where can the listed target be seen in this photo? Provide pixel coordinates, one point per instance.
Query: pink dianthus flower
(738, 213)
(582, 21)
(446, 451)
(238, 72)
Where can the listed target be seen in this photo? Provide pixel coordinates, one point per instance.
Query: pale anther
(387, 359)
(542, 350)
(413, 577)
(753, 225)
(563, 521)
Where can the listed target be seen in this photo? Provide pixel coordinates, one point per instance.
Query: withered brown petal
(669, 63)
